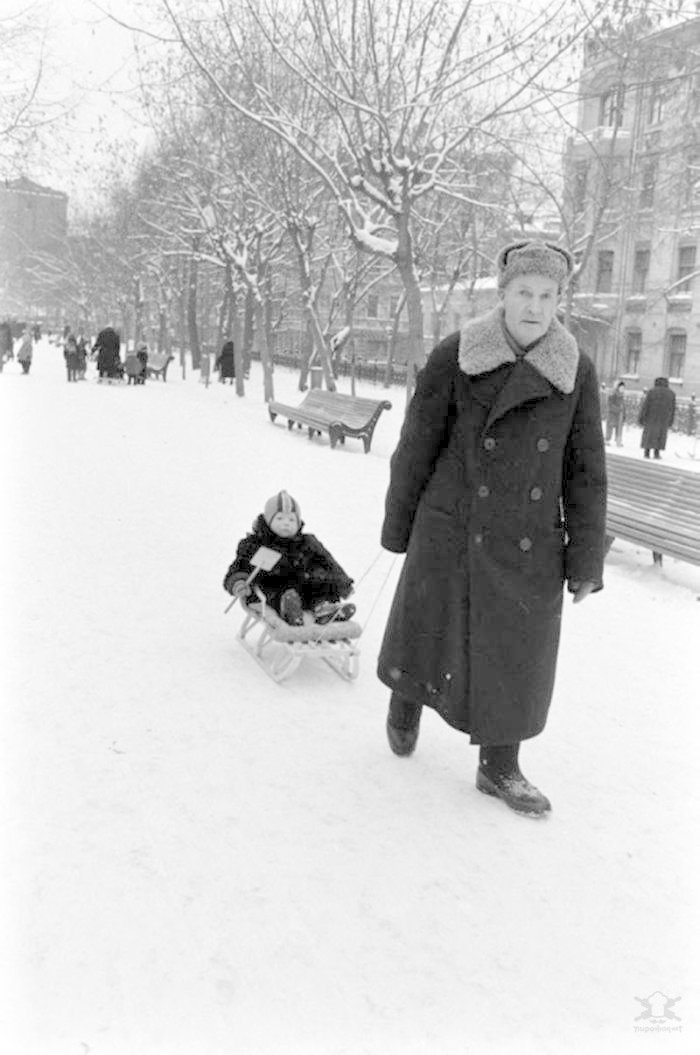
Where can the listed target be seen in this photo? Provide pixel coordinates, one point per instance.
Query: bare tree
(401, 89)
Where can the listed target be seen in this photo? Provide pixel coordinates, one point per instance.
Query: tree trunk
(264, 351)
(306, 355)
(192, 330)
(414, 303)
(391, 350)
(162, 330)
(138, 313)
(236, 330)
(248, 328)
(321, 348)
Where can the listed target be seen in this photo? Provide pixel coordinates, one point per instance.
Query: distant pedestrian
(225, 363)
(603, 401)
(616, 414)
(72, 357)
(82, 357)
(142, 356)
(6, 343)
(656, 416)
(109, 364)
(24, 355)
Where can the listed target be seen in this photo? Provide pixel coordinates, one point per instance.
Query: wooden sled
(279, 648)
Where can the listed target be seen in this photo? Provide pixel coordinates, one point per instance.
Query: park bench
(157, 365)
(656, 505)
(335, 413)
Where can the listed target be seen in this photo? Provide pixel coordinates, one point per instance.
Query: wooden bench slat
(657, 506)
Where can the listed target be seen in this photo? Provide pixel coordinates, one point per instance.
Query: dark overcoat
(107, 348)
(226, 362)
(497, 496)
(656, 416)
(304, 564)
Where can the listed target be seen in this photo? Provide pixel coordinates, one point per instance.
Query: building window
(686, 266)
(646, 197)
(633, 351)
(393, 306)
(605, 268)
(676, 354)
(373, 306)
(641, 270)
(656, 104)
(611, 107)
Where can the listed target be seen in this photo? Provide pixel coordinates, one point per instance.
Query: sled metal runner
(279, 648)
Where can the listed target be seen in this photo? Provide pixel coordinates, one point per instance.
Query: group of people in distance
(656, 415)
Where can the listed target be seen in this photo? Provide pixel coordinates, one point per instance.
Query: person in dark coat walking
(109, 363)
(25, 352)
(656, 416)
(497, 497)
(615, 419)
(305, 578)
(6, 343)
(72, 357)
(225, 363)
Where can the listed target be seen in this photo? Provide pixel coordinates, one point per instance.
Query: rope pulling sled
(279, 648)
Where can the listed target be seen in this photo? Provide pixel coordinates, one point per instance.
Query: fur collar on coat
(483, 346)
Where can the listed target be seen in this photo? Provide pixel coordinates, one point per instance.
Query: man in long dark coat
(656, 416)
(226, 363)
(497, 497)
(108, 358)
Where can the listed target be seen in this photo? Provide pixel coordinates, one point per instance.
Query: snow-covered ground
(199, 862)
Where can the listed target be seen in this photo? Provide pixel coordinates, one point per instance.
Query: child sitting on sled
(305, 578)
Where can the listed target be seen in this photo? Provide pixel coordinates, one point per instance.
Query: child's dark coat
(304, 565)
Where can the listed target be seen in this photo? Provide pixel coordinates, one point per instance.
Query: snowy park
(198, 861)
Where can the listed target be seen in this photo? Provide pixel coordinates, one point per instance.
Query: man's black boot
(402, 724)
(499, 775)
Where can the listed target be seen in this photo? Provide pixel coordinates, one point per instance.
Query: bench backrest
(354, 411)
(660, 500)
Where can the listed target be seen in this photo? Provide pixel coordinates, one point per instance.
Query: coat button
(483, 491)
(525, 544)
(536, 494)
(478, 538)
(489, 443)
(543, 444)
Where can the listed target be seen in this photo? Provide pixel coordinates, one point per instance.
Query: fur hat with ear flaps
(282, 502)
(534, 258)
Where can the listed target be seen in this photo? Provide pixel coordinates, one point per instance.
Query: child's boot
(333, 611)
(291, 608)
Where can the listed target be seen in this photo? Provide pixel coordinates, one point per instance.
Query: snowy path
(197, 862)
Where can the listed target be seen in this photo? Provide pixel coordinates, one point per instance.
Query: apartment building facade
(633, 178)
